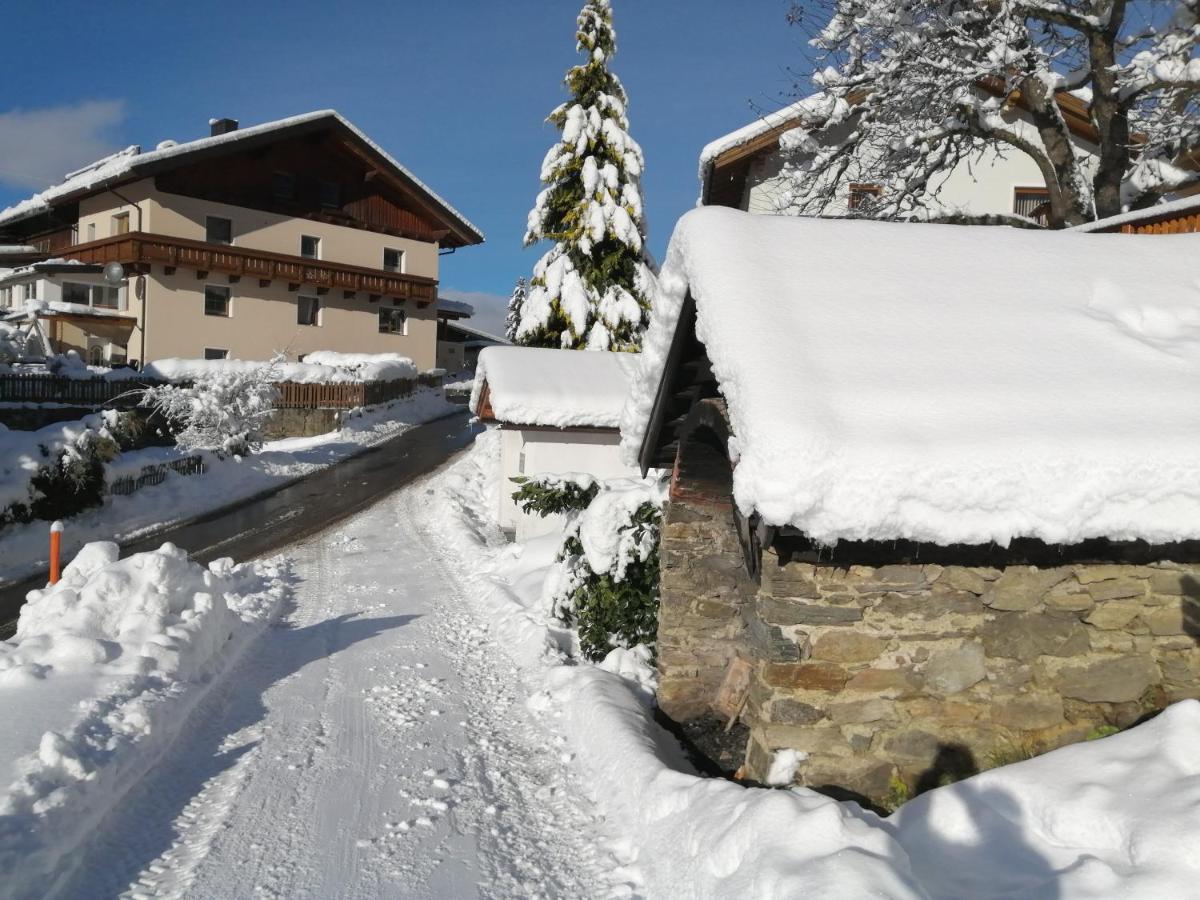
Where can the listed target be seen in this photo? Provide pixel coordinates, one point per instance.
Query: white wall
(979, 185)
(536, 452)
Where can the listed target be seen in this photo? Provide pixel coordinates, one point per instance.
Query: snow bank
(137, 642)
(884, 381)
(559, 388)
(1112, 817)
(318, 367)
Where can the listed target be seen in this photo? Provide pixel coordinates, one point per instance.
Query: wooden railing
(97, 392)
(140, 248)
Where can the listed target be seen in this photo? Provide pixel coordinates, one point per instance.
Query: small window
(310, 247)
(308, 311)
(218, 230)
(75, 293)
(91, 231)
(392, 321)
(283, 186)
(393, 260)
(6, 297)
(216, 300)
(215, 353)
(106, 296)
(863, 197)
(1032, 203)
(331, 193)
(29, 291)
(120, 223)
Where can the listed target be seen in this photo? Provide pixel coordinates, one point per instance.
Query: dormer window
(331, 194)
(283, 186)
(218, 230)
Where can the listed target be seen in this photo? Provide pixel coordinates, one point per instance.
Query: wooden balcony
(138, 251)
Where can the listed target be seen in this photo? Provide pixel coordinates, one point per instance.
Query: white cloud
(39, 146)
(490, 309)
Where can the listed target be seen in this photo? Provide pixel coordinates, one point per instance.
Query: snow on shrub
(607, 580)
(225, 412)
(59, 470)
(112, 660)
(548, 495)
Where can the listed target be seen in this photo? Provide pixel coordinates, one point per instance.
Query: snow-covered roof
(1182, 206)
(44, 308)
(557, 388)
(131, 161)
(811, 105)
(483, 336)
(455, 306)
(943, 383)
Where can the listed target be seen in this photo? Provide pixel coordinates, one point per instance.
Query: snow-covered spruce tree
(590, 290)
(512, 321)
(909, 88)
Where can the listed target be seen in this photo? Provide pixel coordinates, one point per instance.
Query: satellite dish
(114, 273)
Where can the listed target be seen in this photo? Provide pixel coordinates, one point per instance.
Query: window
(120, 223)
(91, 231)
(6, 296)
(106, 296)
(215, 353)
(75, 293)
(308, 311)
(216, 300)
(310, 247)
(862, 197)
(392, 321)
(1031, 202)
(218, 230)
(29, 291)
(393, 260)
(331, 193)
(283, 186)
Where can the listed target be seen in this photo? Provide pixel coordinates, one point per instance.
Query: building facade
(288, 237)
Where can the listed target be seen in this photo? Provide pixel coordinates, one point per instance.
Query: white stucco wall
(536, 452)
(980, 185)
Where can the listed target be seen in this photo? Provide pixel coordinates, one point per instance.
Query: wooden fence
(96, 392)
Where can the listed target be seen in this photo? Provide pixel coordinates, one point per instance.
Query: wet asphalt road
(259, 526)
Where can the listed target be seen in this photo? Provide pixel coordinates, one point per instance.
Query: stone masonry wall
(921, 672)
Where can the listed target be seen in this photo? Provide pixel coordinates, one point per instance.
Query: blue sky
(458, 91)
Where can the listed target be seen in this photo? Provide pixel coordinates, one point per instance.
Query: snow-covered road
(375, 743)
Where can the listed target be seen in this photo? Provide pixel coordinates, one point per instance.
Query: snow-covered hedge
(103, 671)
(318, 367)
(58, 470)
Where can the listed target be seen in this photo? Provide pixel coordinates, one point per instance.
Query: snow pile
(560, 388)
(318, 367)
(922, 394)
(24, 453)
(105, 668)
(1117, 816)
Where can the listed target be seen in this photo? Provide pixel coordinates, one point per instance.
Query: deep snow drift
(1119, 815)
(943, 384)
(103, 670)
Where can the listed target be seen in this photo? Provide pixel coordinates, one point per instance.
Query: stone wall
(302, 422)
(924, 672)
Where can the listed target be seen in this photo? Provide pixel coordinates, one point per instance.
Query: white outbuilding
(559, 413)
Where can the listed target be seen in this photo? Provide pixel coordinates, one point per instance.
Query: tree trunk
(1109, 116)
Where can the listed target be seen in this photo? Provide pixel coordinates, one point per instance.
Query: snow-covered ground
(417, 725)
(180, 498)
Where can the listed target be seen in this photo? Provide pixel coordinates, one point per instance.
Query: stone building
(927, 514)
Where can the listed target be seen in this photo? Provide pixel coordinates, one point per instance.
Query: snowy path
(374, 744)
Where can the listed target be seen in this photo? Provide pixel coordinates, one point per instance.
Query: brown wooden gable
(367, 196)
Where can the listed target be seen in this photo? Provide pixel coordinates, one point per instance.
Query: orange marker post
(56, 531)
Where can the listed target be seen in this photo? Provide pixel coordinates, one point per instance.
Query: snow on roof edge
(1182, 204)
(106, 168)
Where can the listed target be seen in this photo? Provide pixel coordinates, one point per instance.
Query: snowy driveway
(375, 743)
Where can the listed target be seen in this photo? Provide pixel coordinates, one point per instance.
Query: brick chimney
(222, 126)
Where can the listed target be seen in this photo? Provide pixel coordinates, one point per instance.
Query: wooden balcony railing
(141, 249)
